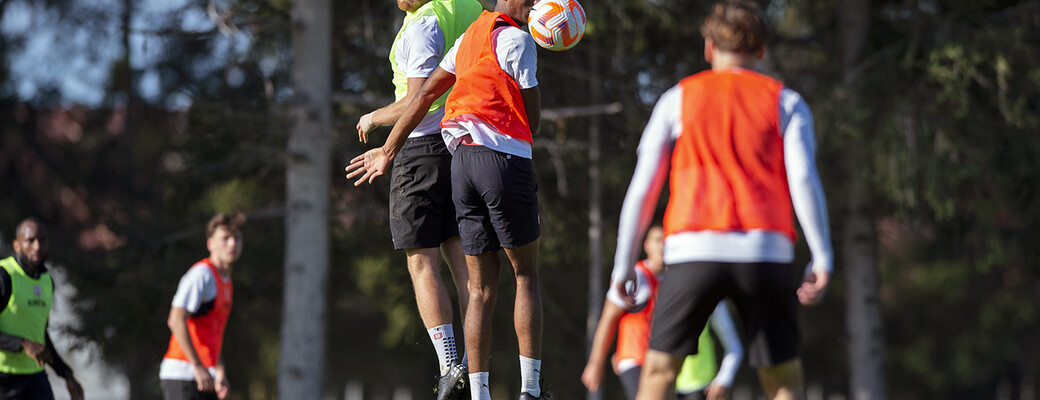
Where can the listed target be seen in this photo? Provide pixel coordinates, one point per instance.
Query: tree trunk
(863, 311)
(595, 241)
(858, 239)
(302, 361)
(596, 294)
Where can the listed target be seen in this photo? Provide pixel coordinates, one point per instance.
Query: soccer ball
(556, 25)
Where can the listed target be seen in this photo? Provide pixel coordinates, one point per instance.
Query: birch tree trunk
(302, 361)
(858, 239)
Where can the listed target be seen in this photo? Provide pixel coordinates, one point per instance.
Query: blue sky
(74, 54)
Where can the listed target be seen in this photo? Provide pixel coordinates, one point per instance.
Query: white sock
(530, 371)
(479, 389)
(443, 338)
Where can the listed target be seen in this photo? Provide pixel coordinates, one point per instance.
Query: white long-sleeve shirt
(655, 153)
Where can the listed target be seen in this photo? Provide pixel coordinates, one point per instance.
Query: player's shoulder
(427, 22)
(199, 271)
(669, 100)
(515, 36)
(790, 97)
(424, 27)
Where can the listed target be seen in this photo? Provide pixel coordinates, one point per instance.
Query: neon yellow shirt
(25, 315)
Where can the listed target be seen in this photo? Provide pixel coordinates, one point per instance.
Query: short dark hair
(232, 222)
(736, 25)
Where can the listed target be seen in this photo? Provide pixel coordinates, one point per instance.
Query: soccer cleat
(452, 385)
(527, 396)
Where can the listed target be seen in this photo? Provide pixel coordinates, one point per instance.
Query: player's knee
(527, 277)
(660, 365)
(481, 294)
(424, 263)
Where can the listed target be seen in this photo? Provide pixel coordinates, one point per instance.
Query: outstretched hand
(369, 165)
(813, 287)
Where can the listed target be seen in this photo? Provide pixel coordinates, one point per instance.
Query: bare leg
(527, 310)
(659, 372)
(431, 295)
(451, 250)
(483, 290)
(783, 381)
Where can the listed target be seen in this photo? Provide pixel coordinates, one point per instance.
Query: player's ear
(761, 53)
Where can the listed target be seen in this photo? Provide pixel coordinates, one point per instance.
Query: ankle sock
(443, 338)
(479, 389)
(530, 373)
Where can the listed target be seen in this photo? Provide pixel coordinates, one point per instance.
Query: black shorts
(31, 386)
(496, 199)
(763, 293)
(184, 390)
(421, 211)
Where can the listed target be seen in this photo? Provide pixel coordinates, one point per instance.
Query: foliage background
(125, 125)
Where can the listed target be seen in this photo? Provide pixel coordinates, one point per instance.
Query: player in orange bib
(632, 325)
(193, 368)
(739, 151)
(489, 123)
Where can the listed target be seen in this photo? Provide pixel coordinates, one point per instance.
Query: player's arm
(725, 330)
(418, 52)
(533, 106)
(178, 323)
(220, 382)
(606, 331)
(637, 210)
(807, 196)
(520, 61)
(376, 162)
(388, 115)
(8, 342)
(433, 88)
(62, 369)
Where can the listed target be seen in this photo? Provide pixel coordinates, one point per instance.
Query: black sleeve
(63, 370)
(9, 343)
(5, 289)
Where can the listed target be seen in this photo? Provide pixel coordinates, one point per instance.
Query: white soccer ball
(557, 25)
